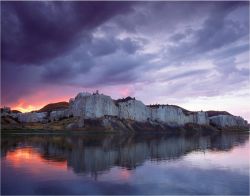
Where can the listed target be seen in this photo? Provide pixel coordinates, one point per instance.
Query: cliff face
(92, 106)
(133, 110)
(201, 118)
(227, 121)
(169, 114)
(59, 114)
(32, 117)
(95, 106)
(175, 116)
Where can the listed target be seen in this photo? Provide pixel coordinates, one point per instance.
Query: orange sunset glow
(23, 107)
(23, 157)
(33, 104)
(43, 97)
(125, 174)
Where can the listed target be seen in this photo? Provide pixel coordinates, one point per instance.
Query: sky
(191, 54)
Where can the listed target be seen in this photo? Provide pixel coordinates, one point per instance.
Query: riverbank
(177, 131)
(109, 125)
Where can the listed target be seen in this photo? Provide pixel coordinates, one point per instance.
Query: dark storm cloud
(65, 68)
(217, 31)
(109, 45)
(56, 73)
(113, 70)
(44, 34)
(100, 47)
(164, 17)
(130, 46)
(220, 39)
(17, 81)
(203, 45)
(111, 59)
(100, 44)
(33, 32)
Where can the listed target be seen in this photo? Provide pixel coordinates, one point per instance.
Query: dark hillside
(54, 106)
(216, 113)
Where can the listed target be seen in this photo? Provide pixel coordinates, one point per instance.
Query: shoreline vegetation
(96, 126)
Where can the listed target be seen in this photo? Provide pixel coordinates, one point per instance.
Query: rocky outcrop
(6, 111)
(59, 114)
(173, 115)
(92, 106)
(201, 118)
(227, 121)
(112, 113)
(96, 106)
(77, 123)
(33, 117)
(133, 110)
(169, 114)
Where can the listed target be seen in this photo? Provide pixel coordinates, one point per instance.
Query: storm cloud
(166, 50)
(34, 32)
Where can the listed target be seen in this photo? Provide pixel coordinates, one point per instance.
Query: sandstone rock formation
(133, 110)
(201, 118)
(33, 117)
(169, 114)
(6, 111)
(227, 121)
(96, 106)
(59, 114)
(174, 115)
(92, 106)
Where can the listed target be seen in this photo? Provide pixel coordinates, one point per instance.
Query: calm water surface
(143, 164)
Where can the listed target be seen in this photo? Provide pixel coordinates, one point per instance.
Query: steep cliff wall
(134, 110)
(175, 115)
(93, 106)
(33, 117)
(228, 121)
(59, 114)
(169, 114)
(201, 118)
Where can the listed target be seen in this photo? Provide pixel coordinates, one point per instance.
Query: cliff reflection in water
(96, 154)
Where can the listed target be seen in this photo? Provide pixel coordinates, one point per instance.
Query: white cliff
(32, 117)
(133, 110)
(201, 118)
(228, 121)
(174, 115)
(169, 114)
(59, 114)
(93, 106)
(96, 106)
